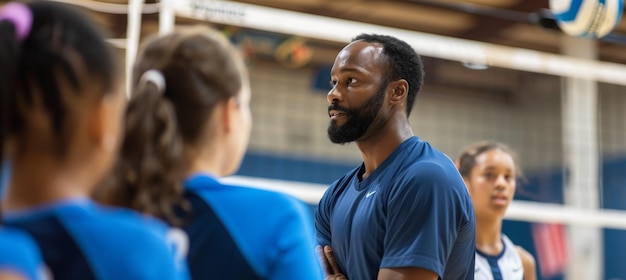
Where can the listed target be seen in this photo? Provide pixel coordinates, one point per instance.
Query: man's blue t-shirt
(19, 254)
(412, 211)
(245, 233)
(82, 240)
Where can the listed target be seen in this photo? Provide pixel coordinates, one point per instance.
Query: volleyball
(587, 18)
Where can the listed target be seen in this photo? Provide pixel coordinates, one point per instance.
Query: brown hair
(201, 68)
(467, 160)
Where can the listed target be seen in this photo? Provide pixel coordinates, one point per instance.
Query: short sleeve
(423, 218)
(325, 206)
(296, 243)
(322, 221)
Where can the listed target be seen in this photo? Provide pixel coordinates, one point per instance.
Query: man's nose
(333, 95)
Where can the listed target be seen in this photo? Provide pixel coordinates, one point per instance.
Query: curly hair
(403, 62)
(199, 71)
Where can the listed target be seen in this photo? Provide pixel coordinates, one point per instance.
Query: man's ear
(399, 90)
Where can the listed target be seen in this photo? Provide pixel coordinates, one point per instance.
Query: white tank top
(505, 266)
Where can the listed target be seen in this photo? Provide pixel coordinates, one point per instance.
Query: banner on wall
(551, 247)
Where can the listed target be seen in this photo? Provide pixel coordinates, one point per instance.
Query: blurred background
(495, 70)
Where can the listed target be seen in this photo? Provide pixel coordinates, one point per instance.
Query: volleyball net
(572, 144)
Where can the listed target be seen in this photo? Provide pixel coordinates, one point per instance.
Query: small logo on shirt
(370, 193)
(516, 269)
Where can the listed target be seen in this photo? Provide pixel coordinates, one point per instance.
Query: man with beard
(405, 212)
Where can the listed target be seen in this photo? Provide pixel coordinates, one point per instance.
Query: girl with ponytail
(19, 255)
(188, 124)
(60, 119)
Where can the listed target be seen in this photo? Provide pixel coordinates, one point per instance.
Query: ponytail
(149, 173)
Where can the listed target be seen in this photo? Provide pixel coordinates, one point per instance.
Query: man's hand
(331, 268)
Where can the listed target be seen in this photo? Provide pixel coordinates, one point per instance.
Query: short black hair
(404, 63)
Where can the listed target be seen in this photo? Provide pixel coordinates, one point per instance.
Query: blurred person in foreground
(187, 125)
(20, 257)
(60, 119)
(404, 213)
(491, 172)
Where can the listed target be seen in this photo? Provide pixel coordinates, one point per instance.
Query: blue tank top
(82, 240)
(246, 233)
(505, 266)
(20, 254)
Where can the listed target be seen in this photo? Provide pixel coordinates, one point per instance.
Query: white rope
(119, 43)
(167, 17)
(337, 30)
(110, 8)
(133, 34)
(518, 210)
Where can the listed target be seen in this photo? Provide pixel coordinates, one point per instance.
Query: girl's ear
(105, 126)
(98, 123)
(229, 109)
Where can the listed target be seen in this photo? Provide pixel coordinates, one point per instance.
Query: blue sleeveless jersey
(505, 266)
(20, 254)
(82, 240)
(245, 233)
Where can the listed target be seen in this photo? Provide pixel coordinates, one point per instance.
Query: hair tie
(154, 76)
(21, 17)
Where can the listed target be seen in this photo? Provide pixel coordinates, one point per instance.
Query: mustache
(336, 107)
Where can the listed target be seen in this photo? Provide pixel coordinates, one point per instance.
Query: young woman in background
(490, 172)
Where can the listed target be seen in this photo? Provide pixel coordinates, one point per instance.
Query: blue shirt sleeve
(423, 218)
(322, 221)
(19, 254)
(325, 206)
(295, 241)
(273, 231)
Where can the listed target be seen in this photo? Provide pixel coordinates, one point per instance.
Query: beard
(358, 119)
